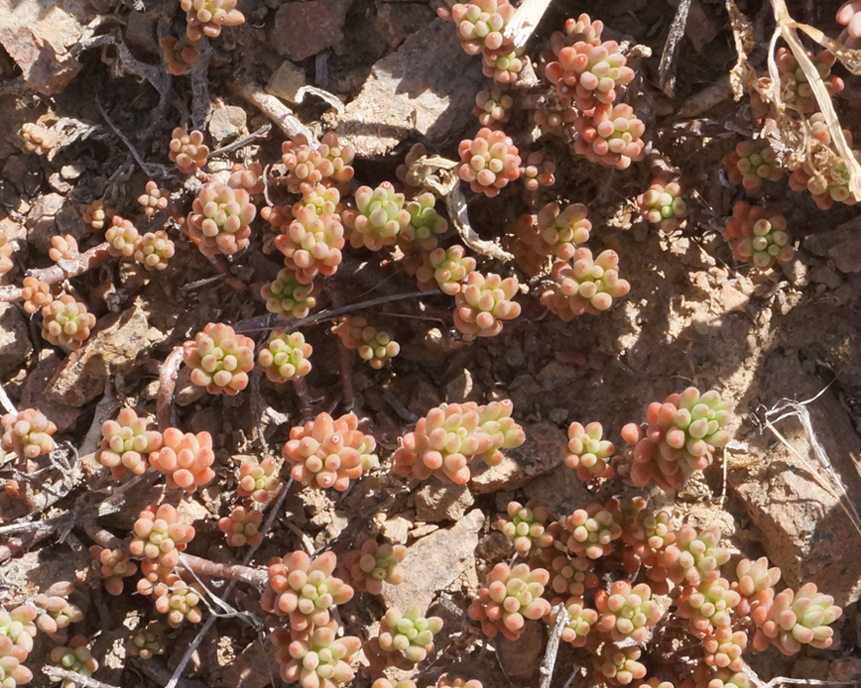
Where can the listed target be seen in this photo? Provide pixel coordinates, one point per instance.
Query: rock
(845, 669)
(435, 562)
(543, 450)
(520, 659)
(460, 388)
(841, 244)
(15, 346)
(303, 29)
(227, 122)
(113, 349)
(39, 34)
(42, 221)
(141, 32)
(396, 529)
(427, 85)
(397, 20)
(438, 501)
(254, 667)
(804, 530)
(33, 395)
(286, 81)
(560, 491)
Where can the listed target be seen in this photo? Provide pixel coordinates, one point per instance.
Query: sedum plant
(17, 630)
(160, 536)
(588, 453)
(663, 205)
(219, 359)
(242, 527)
(329, 163)
(57, 612)
(426, 224)
(537, 171)
(408, 633)
(178, 54)
(581, 620)
(220, 219)
(611, 136)
(590, 532)
(259, 480)
(751, 163)
(326, 452)
(492, 107)
(126, 444)
(6, 251)
(526, 527)
(36, 294)
(288, 297)
(508, 598)
(74, 657)
(488, 162)
(367, 568)
(798, 618)
(121, 237)
(96, 215)
(619, 665)
(147, 642)
(695, 556)
(154, 249)
(572, 577)
(180, 602)
(453, 436)
(549, 234)
(757, 235)
(28, 433)
(708, 605)
(113, 566)
(484, 303)
(587, 285)
(374, 346)
(285, 357)
(317, 659)
(66, 322)
(304, 589)
(480, 24)
(153, 199)
(311, 244)
(185, 459)
(589, 74)
(187, 150)
(679, 437)
(206, 17)
(379, 217)
(63, 248)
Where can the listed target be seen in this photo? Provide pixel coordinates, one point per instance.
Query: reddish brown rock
(303, 29)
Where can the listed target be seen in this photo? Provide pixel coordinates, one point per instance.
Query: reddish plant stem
(164, 411)
(201, 566)
(301, 388)
(64, 269)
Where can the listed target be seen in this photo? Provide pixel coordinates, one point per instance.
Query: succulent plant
(526, 527)
(588, 453)
(827, 186)
(680, 437)
(285, 357)
(492, 107)
(74, 657)
(219, 220)
(443, 268)
(28, 433)
(63, 248)
(550, 233)
(481, 23)
(408, 633)
(66, 322)
(757, 235)
(722, 678)
(6, 251)
(751, 163)
(537, 171)
(147, 642)
(304, 589)
(378, 218)
(121, 237)
(126, 444)
(326, 452)
(12, 672)
(663, 205)
(367, 568)
(259, 480)
(328, 163)
(374, 346)
(581, 619)
(242, 527)
(38, 138)
(583, 29)
(17, 630)
(484, 303)
(451, 437)
(488, 162)
(57, 612)
(503, 66)
(590, 532)
(611, 136)
(219, 359)
(154, 199)
(325, 200)
(590, 74)
(287, 297)
(178, 54)
(96, 215)
(724, 647)
(849, 15)
(385, 683)
(695, 556)
(187, 150)
(180, 602)
(755, 582)
(318, 659)
(553, 113)
(508, 598)
(448, 681)
(586, 285)
(572, 577)
(708, 605)
(154, 249)
(113, 566)
(426, 224)
(185, 459)
(311, 244)
(798, 618)
(160, 536)
(156, 578)
(795, 90)
(206, 17)
(619, 664)
(248, 177)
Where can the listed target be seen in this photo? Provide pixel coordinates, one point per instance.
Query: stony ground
(693, 315)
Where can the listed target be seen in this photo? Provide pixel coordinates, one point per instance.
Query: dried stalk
(64, 269)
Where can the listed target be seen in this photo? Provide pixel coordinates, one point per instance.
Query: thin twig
(549, 661)
(122, 137)
(164, 411)
(666, 68)
(6, 402)
(74, 678)
(244, 141)
(274, 109)
(64, 269)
